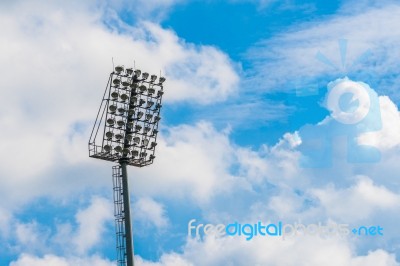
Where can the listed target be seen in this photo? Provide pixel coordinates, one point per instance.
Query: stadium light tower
(125, 131)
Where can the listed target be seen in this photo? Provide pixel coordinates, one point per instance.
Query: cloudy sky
(274, 111)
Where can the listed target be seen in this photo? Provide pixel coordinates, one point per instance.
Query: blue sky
(273, 111)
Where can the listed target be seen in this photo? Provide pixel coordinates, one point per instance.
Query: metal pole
(127, 215)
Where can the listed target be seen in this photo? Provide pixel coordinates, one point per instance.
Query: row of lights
(136, 73)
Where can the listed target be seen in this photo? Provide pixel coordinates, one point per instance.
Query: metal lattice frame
(129, 113)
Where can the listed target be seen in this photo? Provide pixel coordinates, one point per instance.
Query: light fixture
(161, 80)
(129, 113)
(120, 123)
(112, 108)
(149, 104)
(129, 71)
(124, 97)
(109, 134)
(145, 142)
(119, 136)
(114, 95)
(154, 133)
(119, 69)
(146, 130)
(138, 128)
(142, 88)
(116, 81)
(125, 152)
(136, 140)
(121, 110)
(110, 121)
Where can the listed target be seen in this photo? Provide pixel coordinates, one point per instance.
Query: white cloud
(91, 224)
(57, 57)
(358, 202)
(304, 251)
(149, 211)
(52, 260)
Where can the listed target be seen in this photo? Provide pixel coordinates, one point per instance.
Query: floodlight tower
(128, 118)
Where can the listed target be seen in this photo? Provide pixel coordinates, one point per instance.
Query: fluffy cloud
(56, 59)
(52, 260)
(149, 211)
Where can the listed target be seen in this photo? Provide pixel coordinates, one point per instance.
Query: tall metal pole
(127, 215)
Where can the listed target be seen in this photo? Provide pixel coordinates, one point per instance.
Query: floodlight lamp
(120, 123)
(155, 131)
(112, 108)
(118, 149)
(131, 112)
(161, 80)
(141, 102)
(135, 153)
(151, 91)
(139, 115)
(129, 71)
(143, 154)
(116, 81)
(109, 135)
(159, 93)
(130, 125)
(157, 118)
(152, 157)
(119, 69)
(146, 130)
(149, 104)
(121, 110)
(107, 148)
(110, 121)
(153, 78)
(114, 95)
(119, 136)
(133, 85)
(142, 88)
(157, 107)
(138, 128)
(133, 99)
(129, 137)
(125, 83)
(136, 140)
(153, 145)
(145, 142)
(125, 152)
(145, 75)
(124, 97)
(137, 73)
(149, 117)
